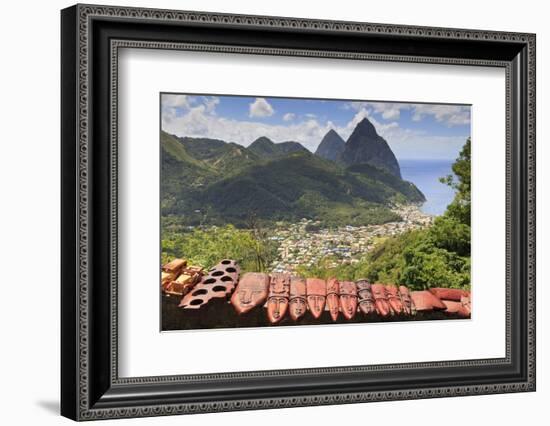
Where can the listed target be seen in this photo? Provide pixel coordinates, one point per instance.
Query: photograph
(280, 211)
(308, 210)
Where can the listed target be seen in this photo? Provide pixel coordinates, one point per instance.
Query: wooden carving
(277, 300)
(348, 298)
(381, 300)
(316, 296)
(218, 283)
(174, 266)
(366, 300)
(394, 299)
(408, 305)
(333, 297)
(250, 292)
(297, 304)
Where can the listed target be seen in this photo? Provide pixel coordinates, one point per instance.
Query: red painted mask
(348, 298)
(277, 300)
(250, 292)
(333, 297)
(366, 301)
(408, 304)
(297, 304)
(394, 299)
(316, 296)
(380, 300)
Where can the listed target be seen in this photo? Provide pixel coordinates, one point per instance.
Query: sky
(413, 131)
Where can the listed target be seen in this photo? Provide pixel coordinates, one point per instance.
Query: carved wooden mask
(316, 296)
(394, 299)
(408, 304)
(250, 292)
(277, 300)
(380, 300)
(333, 297)
(366, 301)
(297, 303)
(348, 298)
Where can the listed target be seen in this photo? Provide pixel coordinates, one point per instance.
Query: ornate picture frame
(91, 37)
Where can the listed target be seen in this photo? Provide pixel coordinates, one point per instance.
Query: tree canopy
(438, 256)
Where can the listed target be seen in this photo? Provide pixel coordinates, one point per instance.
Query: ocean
(425, 175)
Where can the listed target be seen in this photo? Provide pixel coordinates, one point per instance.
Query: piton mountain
(331, 147)
(227, 182)
(366, 146)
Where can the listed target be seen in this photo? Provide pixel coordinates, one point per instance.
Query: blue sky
(413, 131)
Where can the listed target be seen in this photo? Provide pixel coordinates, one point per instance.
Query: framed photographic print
(312, 227)
(263, 212)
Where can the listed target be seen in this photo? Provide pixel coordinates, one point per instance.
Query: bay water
(425, 175)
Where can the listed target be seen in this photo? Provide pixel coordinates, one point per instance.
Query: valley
(207, 182)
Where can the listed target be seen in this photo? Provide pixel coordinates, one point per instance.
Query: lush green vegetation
(266, 149)
(250, 248)
(437, 256)
(209, 182)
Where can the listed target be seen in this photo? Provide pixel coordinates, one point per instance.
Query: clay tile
(456, 308)
(426, 301)
(448, 293)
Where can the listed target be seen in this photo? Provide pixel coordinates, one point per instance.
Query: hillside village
(300, 244)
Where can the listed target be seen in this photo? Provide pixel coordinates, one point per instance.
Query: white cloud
(172, 104)
(260, 108)
(389, 110)
(406, 143)
(346, 130)
(451, 115)
(198, 123)
(175, 101)
(289, 116)
(210, 104)
(176, 106)
(356, 105)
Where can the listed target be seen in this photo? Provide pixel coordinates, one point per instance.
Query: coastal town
(306, 243)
